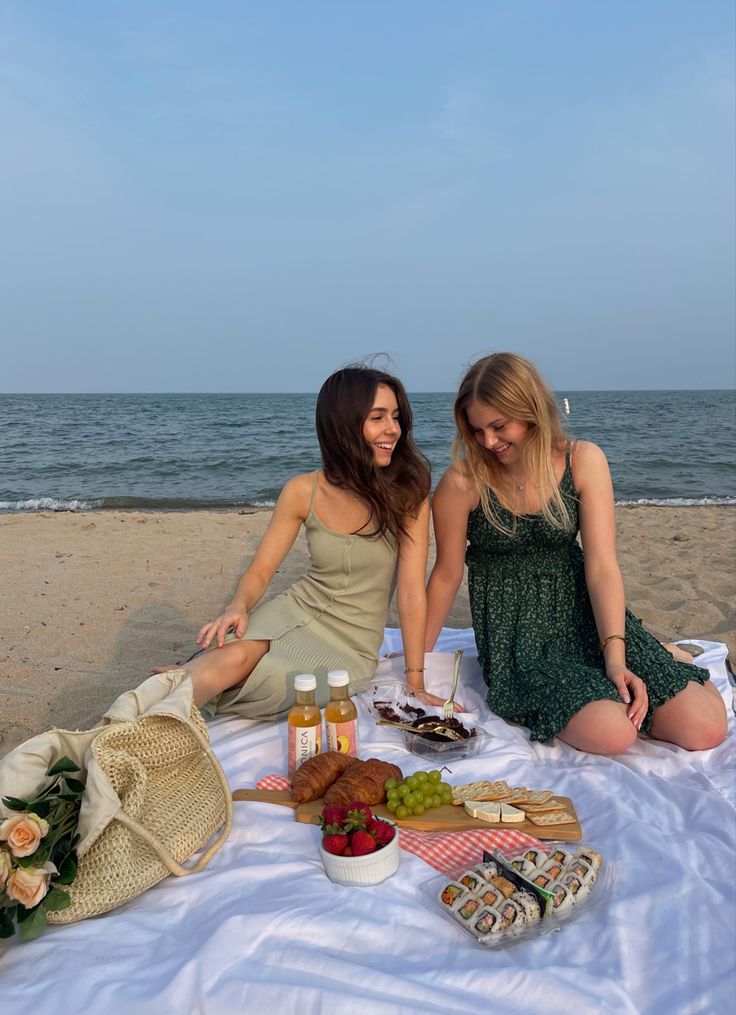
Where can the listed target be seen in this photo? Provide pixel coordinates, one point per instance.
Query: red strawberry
(333, 814)
(336, 843)
(358, 816)
(381, 831)
(362, 842)
(348, 852)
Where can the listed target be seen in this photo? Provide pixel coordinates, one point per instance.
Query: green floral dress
(537, 641)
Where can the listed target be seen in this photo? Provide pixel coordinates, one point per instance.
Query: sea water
(180, 452)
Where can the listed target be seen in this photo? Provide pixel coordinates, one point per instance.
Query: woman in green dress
(366, 518)
(560, 653)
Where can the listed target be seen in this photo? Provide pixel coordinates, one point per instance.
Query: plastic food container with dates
(512, 896)
(389, 701)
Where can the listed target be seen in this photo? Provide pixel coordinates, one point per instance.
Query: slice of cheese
(484, 811)
(511, 815)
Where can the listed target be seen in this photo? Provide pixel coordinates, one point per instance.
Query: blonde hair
(513, 385)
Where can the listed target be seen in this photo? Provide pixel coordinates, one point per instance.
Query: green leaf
(22, 914)
(7, 927)
(67, 870)
(63, 765)
(33, 925)
(74, 785)
(56, 899)
(14, 804)
(73, 797)
(41, 808)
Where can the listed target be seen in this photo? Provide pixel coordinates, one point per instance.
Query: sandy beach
(93, 600)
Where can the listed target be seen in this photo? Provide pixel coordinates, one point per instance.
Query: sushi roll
(472, 880)
(491, 896)
(553, 869)
(488, 870)
(523, 866)
(466, 907)
(487, 923)
(594, 860)
(563, 899)
(578, 888)
(451, 893)
(505, 887)
(540, 879)
(536, 856)
(562, 856)
(512, 917)
(529, 904)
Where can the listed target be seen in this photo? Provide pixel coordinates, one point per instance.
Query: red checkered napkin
(445, 851)
(449, 851)
(273, 782)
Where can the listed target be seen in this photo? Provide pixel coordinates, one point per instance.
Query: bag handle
(159, 849)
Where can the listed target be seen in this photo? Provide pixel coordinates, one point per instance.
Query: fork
(448, 709)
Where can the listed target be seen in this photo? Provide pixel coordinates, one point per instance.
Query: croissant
(317, 774)
(363, 781)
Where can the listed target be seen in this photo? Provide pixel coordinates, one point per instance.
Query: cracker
(551, 818)
(484, 790)
(551, 805)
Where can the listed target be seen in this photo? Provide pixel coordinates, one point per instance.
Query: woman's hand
(233, 616)
(633, 692)
(431, 699)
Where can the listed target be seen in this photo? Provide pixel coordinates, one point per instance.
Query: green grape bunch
(416, 794)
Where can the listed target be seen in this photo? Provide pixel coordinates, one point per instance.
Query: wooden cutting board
(446, 818)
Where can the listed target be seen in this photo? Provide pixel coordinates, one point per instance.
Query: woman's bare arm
(452, 503)
(602, 572)
(288, 515)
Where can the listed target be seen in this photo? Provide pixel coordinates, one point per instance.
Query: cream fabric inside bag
(155, 793)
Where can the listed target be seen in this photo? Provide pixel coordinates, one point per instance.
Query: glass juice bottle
(341, 715)
(304, 723)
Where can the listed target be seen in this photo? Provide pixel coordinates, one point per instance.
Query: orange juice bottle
(341, 715)
(304, 723)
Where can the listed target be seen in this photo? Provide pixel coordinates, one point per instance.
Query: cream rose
(28, 885)
(23, 832)
(5, 866)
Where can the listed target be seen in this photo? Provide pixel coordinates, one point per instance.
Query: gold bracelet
(414, 669)
(613, 637)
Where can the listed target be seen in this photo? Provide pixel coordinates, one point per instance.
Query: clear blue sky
(242, 196)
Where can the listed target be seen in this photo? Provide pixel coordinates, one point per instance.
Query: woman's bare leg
(217, 669)
(600, 727)
(694, 719)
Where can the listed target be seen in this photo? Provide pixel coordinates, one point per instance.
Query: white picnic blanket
(263, 930)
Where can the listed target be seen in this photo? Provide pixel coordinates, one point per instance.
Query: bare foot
(677, 653)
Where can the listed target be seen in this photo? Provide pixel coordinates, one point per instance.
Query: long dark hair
(392, 493)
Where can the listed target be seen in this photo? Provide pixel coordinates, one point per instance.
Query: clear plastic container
(482, 910)
(385, 697)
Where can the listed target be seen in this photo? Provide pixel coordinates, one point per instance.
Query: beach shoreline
(94, 599)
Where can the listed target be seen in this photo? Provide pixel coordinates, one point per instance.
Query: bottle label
(343, 737)
(304, 743)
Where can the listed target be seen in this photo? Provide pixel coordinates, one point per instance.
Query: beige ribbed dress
(333, 618)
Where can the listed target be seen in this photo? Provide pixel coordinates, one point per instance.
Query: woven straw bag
(155, 793)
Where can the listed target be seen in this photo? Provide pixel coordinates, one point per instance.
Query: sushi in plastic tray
(389, 700)
(515, 895)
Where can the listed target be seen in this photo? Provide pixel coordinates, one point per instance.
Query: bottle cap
(305, 682)
(338, 678)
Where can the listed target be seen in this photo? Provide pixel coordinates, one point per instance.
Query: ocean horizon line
(410, 391)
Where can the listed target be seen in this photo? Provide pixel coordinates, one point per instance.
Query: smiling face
(382, 428)
(496, 432)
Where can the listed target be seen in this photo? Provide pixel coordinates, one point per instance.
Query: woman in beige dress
(366, 517)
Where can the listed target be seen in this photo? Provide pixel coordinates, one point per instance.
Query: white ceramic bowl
(360, 871)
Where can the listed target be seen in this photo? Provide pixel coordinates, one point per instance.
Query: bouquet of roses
(37, 852)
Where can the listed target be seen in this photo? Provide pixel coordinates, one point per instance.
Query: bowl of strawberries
(357, 848)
